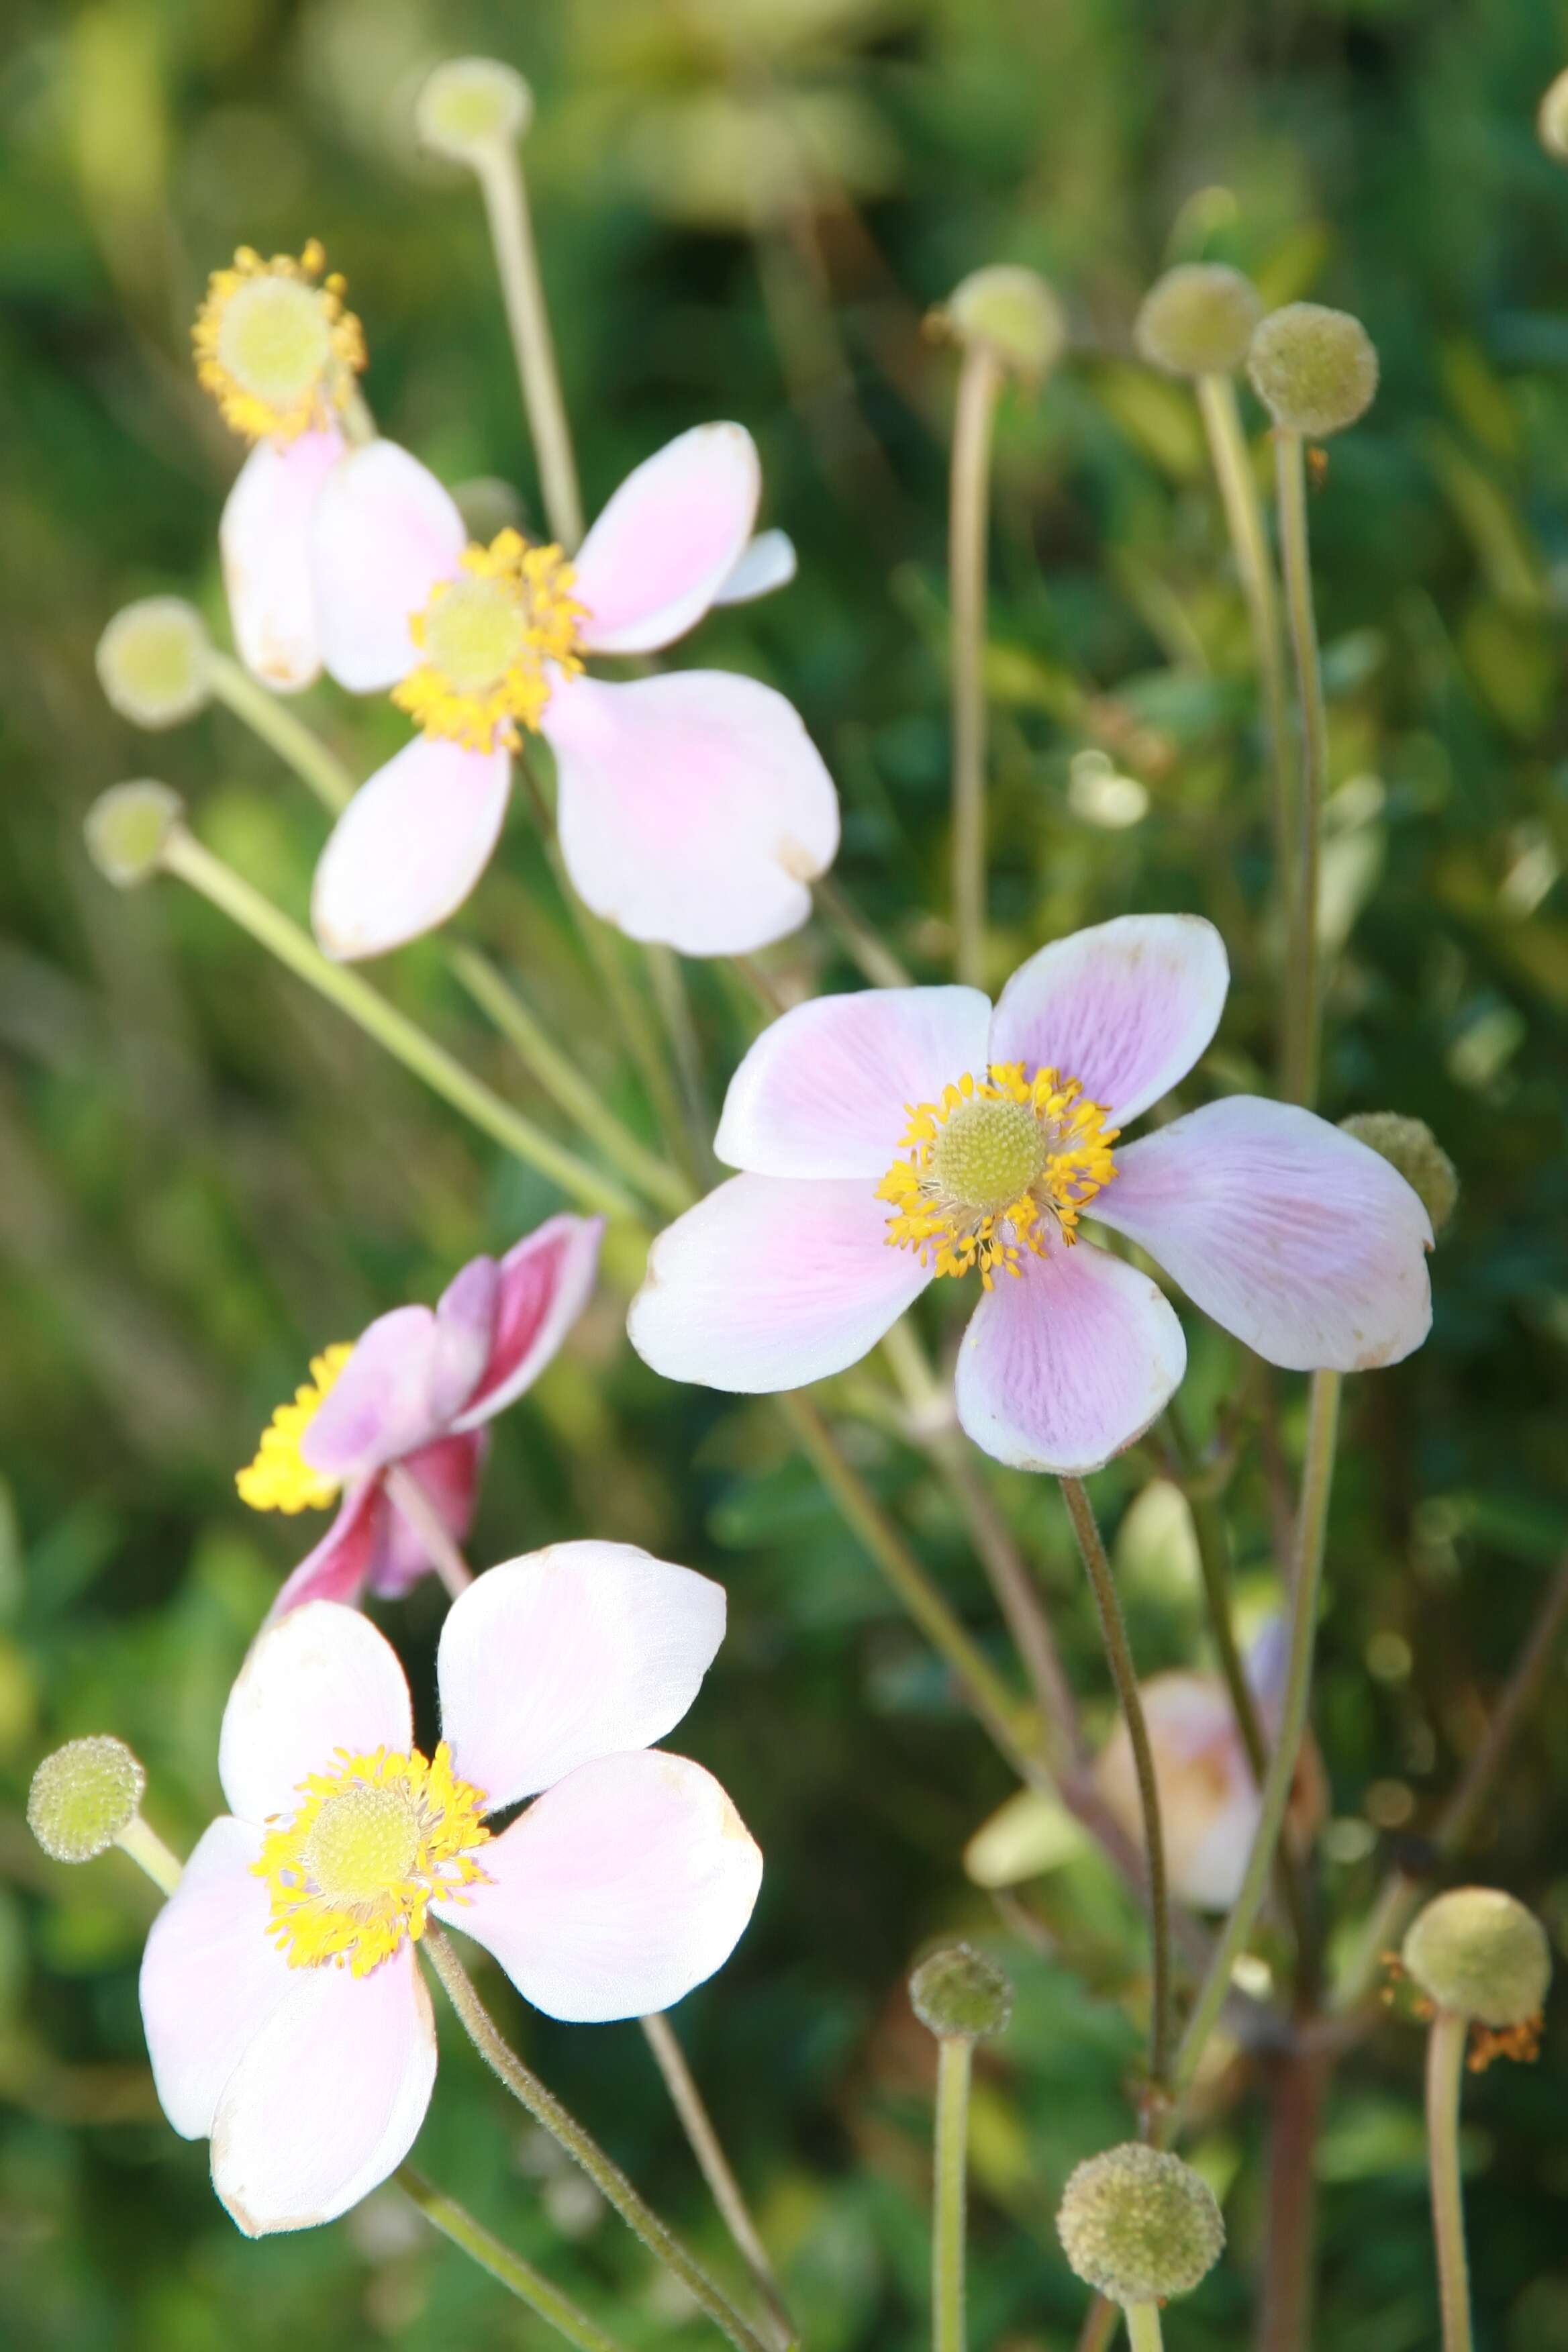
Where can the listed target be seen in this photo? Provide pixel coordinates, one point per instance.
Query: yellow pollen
(998, 1165)
(376, 1840)
(275, 347)
(280, 1479)
(487, 637)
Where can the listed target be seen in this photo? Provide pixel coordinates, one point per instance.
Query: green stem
(1144, 2327)
(276, 724)
(877, 962)
(1099, 2324)
(1303, 979)
(403, 1038)
(499, 171)
(1317, 1481)
(1119, 1655)
(979, 385)
(564, 2128)
(674, 1005)
(148, 1852)
(509, 2270)
(954, 2053)
(1444, 2075)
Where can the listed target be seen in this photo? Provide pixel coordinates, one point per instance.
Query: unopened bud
(1010, 312)
(958, 1992)
(1409, 1145)
(153, 662)
(1480, 1954)
(1551, 119)
(1138, 2224)
(1314, 370)
(126, 828)
(1198, 319)
(83, 1796)
(471, 105)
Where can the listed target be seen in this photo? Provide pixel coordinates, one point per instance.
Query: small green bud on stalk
(1479, 1954)
(153, 662)
(128, 828)
(1198, 319)
(1551, 119)
(1314, 370)
(1410, 1145)
(471, 105)
(1139, 2225)
(83, 1796)
(957, 1991)
(1009, 312)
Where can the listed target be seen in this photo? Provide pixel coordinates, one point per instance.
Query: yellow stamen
(280, 1479)
(486, 638)
(376, 1840)
(276, 349)
(998, 1165)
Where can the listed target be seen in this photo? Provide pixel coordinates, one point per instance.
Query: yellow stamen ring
(276, 349)
(280, 1478)
(374, 1843)
(487, 637)
(998, 1165)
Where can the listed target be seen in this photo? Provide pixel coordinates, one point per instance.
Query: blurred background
(745, 209)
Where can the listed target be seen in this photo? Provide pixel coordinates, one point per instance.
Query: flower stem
(979, 384)
(1086, 1528)
(698, 2125)
(1445, 2075)
(1099, 2324)
(419, 1513)
(667, 983)
(149, 1852)
(1317, 1480)
(529, 2285)
(1144, 2327)
(602, 2170)
(1303, 979)
(403, 1038)
(954, 2053)
(499, 168)
(875, 958)
(1298, 2083)
(266, 716)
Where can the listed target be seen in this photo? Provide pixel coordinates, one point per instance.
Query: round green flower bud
(126, 829)
(1012, 313)
(1198, 319)
(957, 1991)
(1409, 1145)
(1551, 119)
(1315, 371)
(1480, 1954)
(83, 1796)
(471, 104)
(1138, 2224)
(153, 662)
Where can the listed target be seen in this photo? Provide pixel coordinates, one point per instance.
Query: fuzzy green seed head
(1198, 319)
(471, 105)
(957, 1992)
(1012, 313)
(1409, 1145)
(126, 828)
(1314, 370)
(1480, 1954)
(153, 662)
(1138, 2224)
(83, 1796)
(1551, 119)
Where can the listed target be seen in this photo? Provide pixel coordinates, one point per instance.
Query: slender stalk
(1303, 980)
(1144, 2327)
(1086, 1528)
(1317, 1480)
(149, 1852)
(529, 2286)
(875, 960)
(954, 2057)
(403, 1038)
(602, 2170)
(1298, 2081)
(668, 987)
(1099, 2325)
(1445, 2075)
(266, 716)
(979, 385)
(413, 1506)
(498, 167)
(706, 2146)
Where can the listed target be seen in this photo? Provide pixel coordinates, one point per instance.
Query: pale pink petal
(320, 1679)
(544, 1285)
(824, 1089)
(766, 562)
(448, 1471)
(1302, 1241)
(618, 1890)
(410, 848)
(329, 2097)
(385, 532)
(210, 1979)
(1126, 1008)
(694, 809)
(409, 1371)
(579, 1651)
(265, 542)
(668, 539)
(1066, 1364)
(347, 1556)
(770, 1283)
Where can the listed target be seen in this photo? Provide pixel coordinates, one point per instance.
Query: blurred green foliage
(745, 208)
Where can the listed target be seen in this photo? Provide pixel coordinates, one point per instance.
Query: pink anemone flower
(414, 1392)
(692, 807)
(284, 2017)
(897, 1135)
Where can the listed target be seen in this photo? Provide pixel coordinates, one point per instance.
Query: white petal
(385, 532)
(210, 1979)
(579, 1651)
(768, 562)
(770, 1283)
(1126, 1008)
(320, 1679)
(410, 848)
(668, 540)
(264, 540)
(824, 1090)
